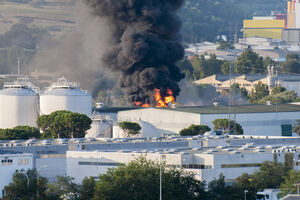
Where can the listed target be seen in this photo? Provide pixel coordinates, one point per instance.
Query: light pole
(37, 179)
(20, 172)
(245, 197)
(160, 179)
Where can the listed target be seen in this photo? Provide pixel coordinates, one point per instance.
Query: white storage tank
(65, 95)
(18, 104)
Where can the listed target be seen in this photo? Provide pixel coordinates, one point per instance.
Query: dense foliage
(228, 126)
(130, 128)
(139, 179)
(194, 130)
(64, 124)
(19, 133)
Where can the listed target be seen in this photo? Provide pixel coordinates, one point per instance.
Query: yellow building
(266, 28)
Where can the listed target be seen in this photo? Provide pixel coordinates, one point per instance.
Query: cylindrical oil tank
(18, 106)
(64, 95)
(99, 129)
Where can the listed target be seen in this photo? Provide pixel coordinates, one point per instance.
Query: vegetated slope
(206, 19)
(202, 19)
(54, 15)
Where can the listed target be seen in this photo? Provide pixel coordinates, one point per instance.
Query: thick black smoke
(146, 44)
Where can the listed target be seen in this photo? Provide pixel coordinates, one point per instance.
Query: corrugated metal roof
(238, 109)
(18, 92)
(66, 92)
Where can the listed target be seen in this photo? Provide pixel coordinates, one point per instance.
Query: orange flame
(168, 99)
(160, 102)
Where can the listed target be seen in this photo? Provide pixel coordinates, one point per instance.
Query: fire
(168, 99)
(160, 101)
(140, 104)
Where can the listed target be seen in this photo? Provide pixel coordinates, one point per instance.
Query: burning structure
(145, 46)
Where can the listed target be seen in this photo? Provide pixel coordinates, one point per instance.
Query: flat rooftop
(253, 108)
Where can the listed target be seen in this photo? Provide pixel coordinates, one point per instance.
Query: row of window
(6, 161)
(241, 165)
(99, 163)
(21, 161)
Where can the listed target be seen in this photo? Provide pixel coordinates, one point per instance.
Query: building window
(99, 163)
(23, 161)
(6, 161)
(241, 165)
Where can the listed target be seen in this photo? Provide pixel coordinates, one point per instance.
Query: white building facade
(9, 163)
(255, 119)
(207, 165)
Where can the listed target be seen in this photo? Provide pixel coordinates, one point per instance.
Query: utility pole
(229, 96)
(160, 179)
(18, 66)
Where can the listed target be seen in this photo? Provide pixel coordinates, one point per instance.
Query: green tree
(296, 127)
(139, 179)
(88, 188)
(277, 90)
(291, 65)
(242, 92)
(130, 128)
(260, 91)
(206, 67)
(223, 124)
(218, 190)
(64, 188)
(64, 124)
(249, 62)
(19, 133)
(18, 189)
(270, 175)
(225, 68)
(194, 130)
(223, 45)
(288, 186)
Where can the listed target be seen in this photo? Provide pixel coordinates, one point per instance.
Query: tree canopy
(249, 62)
(64, 124)
(225, 124)
(139, 179)
(194, 130)
(130, 128)
(19, 133)
(18, 188)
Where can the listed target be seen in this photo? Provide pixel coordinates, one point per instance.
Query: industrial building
(206, 163)
(249, 81)
(268, 120)
(21, 102)
(265, 27)
(18, 104)
(65, 95)
(10, 162)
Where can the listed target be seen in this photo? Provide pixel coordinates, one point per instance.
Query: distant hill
(202, 19)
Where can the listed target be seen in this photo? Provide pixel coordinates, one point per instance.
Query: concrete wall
(19, 161)
(173, 121)
(166, 120)
(258, 123)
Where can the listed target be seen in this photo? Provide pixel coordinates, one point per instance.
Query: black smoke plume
(146, 44)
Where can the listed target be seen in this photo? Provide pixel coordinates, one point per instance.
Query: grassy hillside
(54, 15)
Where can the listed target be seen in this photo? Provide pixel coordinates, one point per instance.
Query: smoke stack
(146, 45)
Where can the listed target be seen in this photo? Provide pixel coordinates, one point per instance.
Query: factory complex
(205, 156)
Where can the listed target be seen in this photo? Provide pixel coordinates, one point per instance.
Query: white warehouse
(9, 163)
(269, 120)
(207, 164)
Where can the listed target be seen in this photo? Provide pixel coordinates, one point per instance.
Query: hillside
(202, 19)
(54, 15)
